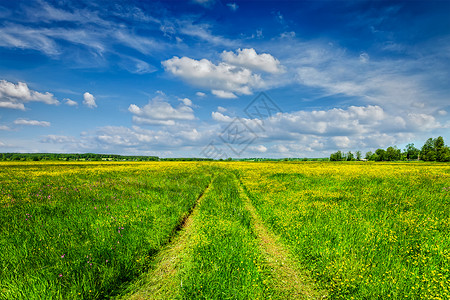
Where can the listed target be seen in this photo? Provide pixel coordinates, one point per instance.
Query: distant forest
(84, 157)
(432, 150)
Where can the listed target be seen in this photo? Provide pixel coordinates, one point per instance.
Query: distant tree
(428, 153)
(368, 155)
(380, 155)
(411, 152)
(392, 154)
(349, 156)
(337, 156)
(442, 151)
(358, 155)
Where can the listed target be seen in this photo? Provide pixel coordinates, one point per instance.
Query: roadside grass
(72, 231)
(365, 231)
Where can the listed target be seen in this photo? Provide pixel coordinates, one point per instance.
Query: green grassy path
(224, 252)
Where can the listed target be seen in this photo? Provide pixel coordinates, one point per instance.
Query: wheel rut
(289, 280)
(162, 282)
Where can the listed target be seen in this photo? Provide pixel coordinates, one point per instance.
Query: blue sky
(185, 78)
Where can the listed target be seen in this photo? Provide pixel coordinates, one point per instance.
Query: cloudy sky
(229, 78)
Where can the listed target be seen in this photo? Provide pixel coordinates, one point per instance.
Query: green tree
(442, 151)
(411, 152)
(337, 156)
(392, 154)
(428, 152)
(380, 155)
(350, 156)
(358, 155)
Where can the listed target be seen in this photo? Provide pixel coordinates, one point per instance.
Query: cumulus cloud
(31, 122)
(70, 102)
(338, 128)
(259, 148)
(200, 94)
(4, 127)
(221, 77)
(89, 100)
(218, 116)
(186, 101)
(221, 109)
(223, 94)
(248, 58)
(160, 112)
(16, 95)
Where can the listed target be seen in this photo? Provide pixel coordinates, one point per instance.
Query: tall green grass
(72, 231)
(366, 231)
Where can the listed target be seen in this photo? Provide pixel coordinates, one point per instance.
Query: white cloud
(248, 58)
(200, 94)
(15, 95)
(31, 122)
(89, 100)
(288, 35)
(392, 83)
(233, 6)
(221, 77)
(205, 3)
(136, 66)
(442, 112)
(217, 116)
(259, 148)
(160, 112)
(4, 127)
(186, 101)
(223, 94)
(58, 139)
(364, 57)
(221, 109)
(70, 102)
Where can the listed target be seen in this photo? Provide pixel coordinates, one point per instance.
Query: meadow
(224, 230)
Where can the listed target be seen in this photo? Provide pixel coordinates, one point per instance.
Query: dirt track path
(163, 282)
(292, 282)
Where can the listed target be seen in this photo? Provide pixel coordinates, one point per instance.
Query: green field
(224, 230)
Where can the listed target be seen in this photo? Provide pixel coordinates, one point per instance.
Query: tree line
(72, 157)
(88, 157)
(433, 150)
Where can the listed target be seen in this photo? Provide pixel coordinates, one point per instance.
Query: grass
(82, 230)
(364, 231)
(261, 230)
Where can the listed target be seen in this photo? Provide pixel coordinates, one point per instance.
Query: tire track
(289, 280)
(162, 282)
